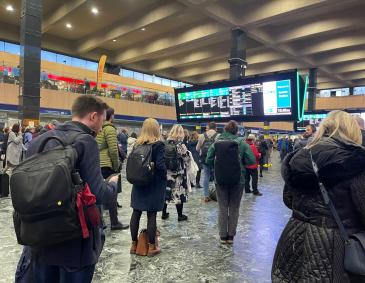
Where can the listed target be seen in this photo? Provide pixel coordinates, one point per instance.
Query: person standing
(5, 145)
(308, 136)
(204, 142)
(15, 147)
(123, 143)
(131, 142)
(75, 260)
(149, 198)
(177, 159)
(109, 162)
(251, 170)
(192, 148)
(229, 155)
(263, 149)
(311, 247)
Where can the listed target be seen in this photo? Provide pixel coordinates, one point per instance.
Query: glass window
(79, 63)
(138, 76)
(127, 73)
(63, 59)
(148, 78)
(157, 80)
(166, 82)
(174, 84)
(359, 90)
(12, 48)
(93, 66)
(48, 56)
(2, 47)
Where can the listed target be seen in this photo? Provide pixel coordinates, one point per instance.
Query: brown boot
(133, 248)
(153, 250)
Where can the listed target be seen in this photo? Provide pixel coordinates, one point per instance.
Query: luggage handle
(43, 144)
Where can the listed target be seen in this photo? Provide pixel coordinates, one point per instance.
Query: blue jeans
(206, 179)
(50, 273)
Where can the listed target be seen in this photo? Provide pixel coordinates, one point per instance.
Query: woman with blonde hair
(311, 247)
(149, 198)
(177, 159)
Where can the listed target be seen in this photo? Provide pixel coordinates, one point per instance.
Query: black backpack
(44, 195)
(172, 158)
(206, 145)
(140, 167)
(227, 163)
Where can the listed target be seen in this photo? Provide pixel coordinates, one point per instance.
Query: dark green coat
(245, 150)
(108, 146)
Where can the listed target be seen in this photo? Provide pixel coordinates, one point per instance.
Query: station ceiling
(189, 40)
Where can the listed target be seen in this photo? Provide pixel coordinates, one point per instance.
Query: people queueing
(311, 247)
(28, 136)
(14, 147)
(177, 159)
(308, 136)
(192, 143)
(74, 260)
(109, 162)
(264, 151)
(284, 148)
(149, 198)
(252, 170)
(229, 155)
(204, 142)
(123, 143)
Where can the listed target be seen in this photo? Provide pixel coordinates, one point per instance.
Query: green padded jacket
(108, 146)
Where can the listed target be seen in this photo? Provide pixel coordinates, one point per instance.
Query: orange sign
(100, 72)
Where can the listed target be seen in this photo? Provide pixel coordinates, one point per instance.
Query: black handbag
(354, 260)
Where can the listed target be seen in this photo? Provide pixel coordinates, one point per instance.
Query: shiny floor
(190, 250)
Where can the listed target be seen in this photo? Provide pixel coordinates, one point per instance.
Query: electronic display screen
(272, 97)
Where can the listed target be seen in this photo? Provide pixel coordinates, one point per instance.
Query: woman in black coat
(150, 198)
(310, 248)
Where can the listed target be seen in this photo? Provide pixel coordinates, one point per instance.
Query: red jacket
(256, 153)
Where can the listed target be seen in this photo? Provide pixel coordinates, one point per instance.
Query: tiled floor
(190, 250)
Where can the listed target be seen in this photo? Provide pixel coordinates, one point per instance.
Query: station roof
(189, 40)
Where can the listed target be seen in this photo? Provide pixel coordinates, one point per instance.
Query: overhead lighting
(68, 25)
(143, 29)
(9, 8)
(114, 40)
(95, 10)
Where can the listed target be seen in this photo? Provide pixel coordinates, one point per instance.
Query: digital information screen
(247, 101)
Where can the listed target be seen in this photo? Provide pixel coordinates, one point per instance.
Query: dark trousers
(229, 201)
(112, 207)
(44, 273)
(151, 225)
(251, 173)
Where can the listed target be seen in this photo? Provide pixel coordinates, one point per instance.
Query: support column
(237, 60)
(266, 129)
(30, 61)
(312, 89)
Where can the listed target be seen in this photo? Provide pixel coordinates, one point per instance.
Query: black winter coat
(310, 248)
(152, 198)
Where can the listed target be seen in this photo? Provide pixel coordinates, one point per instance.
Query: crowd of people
(164, 167)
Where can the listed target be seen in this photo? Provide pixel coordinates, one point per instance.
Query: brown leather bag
(142, 245)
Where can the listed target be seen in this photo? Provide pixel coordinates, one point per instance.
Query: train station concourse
(182, 141)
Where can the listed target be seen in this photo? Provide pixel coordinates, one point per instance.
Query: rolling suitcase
(4, 184)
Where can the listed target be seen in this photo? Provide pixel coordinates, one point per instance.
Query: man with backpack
(229, 155)
(64, 247)
(204, 142)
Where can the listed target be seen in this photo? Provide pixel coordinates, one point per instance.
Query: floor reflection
(190, 251)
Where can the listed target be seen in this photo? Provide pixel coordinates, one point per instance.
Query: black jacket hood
(337, 161)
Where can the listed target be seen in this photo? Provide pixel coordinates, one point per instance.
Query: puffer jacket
(108, 147)
(310, 248)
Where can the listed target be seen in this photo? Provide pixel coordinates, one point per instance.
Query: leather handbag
(354, 260)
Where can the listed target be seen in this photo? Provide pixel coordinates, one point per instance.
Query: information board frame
(292, 75)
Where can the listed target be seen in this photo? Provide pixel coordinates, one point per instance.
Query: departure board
(248, 99)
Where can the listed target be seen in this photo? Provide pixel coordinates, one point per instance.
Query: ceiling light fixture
(68, 25)
(143, 29)
(114, 40)
(9, 8)
(95, 10)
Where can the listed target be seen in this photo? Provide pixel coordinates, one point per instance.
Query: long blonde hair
(150, 132)
(341, 125)
(176, 133)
